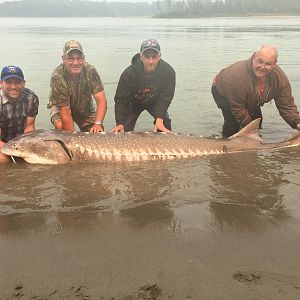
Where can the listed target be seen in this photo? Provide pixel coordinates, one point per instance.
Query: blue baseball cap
(12, 72)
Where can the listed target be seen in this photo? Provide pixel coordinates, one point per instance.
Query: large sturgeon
(60, 147)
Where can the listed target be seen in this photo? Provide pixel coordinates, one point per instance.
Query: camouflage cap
(72, 45)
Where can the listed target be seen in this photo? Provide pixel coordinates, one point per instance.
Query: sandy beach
(127, 256)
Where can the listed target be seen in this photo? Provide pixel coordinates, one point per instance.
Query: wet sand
(129, 256)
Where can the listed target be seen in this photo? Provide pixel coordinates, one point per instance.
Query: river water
(222, 227)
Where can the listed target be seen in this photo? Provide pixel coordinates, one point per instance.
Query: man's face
(263, 63)
(12, 88)
(150, 60)
(73, 62)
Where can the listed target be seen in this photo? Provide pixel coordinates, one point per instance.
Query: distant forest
(160, 8)
(226, 8)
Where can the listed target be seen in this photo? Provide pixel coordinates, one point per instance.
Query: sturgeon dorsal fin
(251, 130)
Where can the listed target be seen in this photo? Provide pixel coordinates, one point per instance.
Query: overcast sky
(1, 1)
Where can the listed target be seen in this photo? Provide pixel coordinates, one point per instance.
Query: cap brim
(72, 49)
(12, 76)
(150, 48)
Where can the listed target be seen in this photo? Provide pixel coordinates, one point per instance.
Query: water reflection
(53, 223)
(31, 195)
(246, 191)
(157, 213)
(100, 187)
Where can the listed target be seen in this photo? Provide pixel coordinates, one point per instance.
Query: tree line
(223, 8)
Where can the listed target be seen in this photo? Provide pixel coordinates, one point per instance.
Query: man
(147, 84)
(18, 106)
(74, 84)
(242, 88)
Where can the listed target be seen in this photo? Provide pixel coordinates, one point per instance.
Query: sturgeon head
(40, 147)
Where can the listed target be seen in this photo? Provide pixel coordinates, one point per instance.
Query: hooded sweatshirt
(153, 91)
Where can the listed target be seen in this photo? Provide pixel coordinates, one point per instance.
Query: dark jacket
(238, 84)
(154, 91)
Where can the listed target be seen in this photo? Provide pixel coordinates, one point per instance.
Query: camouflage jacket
(77, 95)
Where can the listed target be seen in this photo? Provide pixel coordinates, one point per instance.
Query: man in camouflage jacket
(74, 84)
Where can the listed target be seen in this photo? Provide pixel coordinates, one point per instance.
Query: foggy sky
(1, 1)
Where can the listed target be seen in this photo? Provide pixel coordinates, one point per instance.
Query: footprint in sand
(258, 277)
